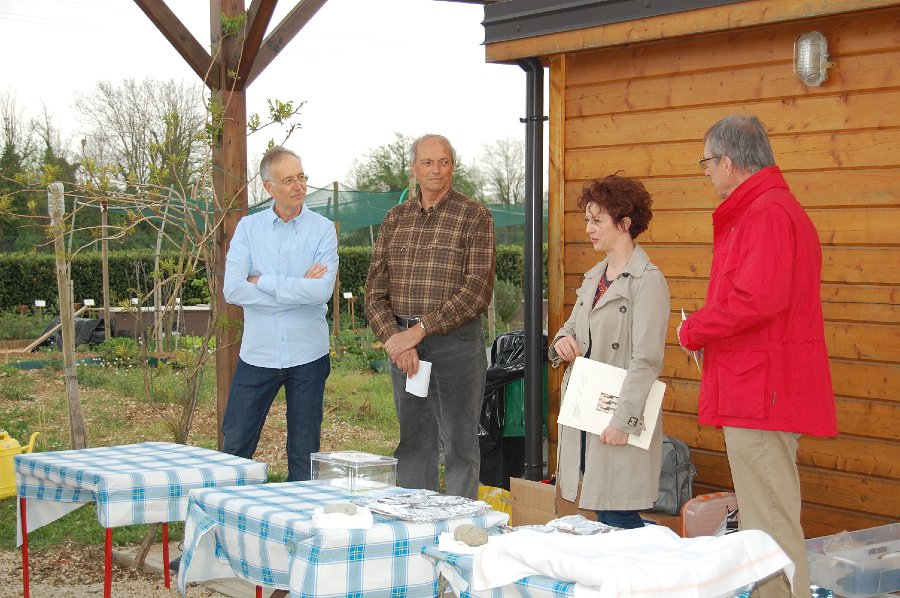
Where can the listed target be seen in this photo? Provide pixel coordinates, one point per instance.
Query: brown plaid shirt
(437, 264)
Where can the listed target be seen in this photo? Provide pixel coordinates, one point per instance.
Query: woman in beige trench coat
(620, 316)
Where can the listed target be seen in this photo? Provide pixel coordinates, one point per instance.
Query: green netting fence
(362, 209)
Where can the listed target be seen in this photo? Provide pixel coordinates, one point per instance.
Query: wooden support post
(229, 182)
(56, 206)
(104, 267)
(336, 295)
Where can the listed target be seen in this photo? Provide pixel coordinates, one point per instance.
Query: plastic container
(701, 515)
(514, 398)
(857, 564)
(354, 471)
(9, 448)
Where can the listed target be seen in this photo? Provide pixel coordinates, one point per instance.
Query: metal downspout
(534, 186)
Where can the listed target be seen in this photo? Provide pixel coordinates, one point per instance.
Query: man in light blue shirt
(281, 267)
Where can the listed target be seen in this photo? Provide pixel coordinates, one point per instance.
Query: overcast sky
(365, 68)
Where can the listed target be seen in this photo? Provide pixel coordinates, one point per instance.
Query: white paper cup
(418, 384)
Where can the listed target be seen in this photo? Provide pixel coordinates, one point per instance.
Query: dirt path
(77, 572)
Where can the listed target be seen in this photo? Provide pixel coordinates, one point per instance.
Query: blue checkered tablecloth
(131, 484)
(264, 534)
(457, 570)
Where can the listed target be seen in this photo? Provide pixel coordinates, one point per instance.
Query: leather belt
(406, 321)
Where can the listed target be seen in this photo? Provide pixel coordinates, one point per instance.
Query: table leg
(258, 591)
(107, 574)
(25, 585)
(165, 555)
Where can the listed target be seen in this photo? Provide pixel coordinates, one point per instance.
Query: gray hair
(742, 138)
(272, 155)
(415, 146)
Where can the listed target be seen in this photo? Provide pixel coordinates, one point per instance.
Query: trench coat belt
(407, 321)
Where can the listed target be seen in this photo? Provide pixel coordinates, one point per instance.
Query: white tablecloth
(131, 484)
(648, 561)
(264, 534)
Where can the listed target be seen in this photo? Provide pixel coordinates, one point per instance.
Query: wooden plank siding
(643, 108)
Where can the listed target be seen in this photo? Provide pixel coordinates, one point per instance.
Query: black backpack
(675, 478)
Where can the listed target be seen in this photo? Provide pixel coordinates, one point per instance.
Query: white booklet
(592, 397)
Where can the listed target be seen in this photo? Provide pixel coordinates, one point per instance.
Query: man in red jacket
(765, 376)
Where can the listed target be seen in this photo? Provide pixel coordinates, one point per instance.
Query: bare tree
(151, 132)
(15, 138)
(503, 171)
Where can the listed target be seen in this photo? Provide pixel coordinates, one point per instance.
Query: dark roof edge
(519, 19)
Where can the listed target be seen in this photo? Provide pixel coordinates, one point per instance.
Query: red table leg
(165, 555)
(107, 576)
(258, 591)
(25, 586)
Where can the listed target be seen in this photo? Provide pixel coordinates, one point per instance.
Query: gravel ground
(77, 572)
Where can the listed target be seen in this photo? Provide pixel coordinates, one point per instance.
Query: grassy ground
(359, 415)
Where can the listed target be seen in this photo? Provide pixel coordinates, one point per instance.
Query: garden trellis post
(104, 253)
(57, 207)
(240, 55)
(336, 294)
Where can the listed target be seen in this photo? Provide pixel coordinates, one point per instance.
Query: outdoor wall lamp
(811, 58)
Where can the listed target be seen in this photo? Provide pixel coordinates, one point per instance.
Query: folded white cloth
(649, 561)
(362, 519)
(447, 543)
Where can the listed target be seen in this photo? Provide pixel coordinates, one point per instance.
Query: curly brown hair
(620, 196)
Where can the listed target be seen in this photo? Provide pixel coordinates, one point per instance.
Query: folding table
(265, 535)
(131, 484)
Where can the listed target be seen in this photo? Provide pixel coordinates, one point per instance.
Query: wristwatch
(423, 327)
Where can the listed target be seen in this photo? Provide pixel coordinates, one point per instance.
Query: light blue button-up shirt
(284, 313)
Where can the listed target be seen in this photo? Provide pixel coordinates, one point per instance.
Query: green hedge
(30, 276)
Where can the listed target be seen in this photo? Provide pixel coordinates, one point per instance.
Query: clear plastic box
(354, 471)
(857, 564)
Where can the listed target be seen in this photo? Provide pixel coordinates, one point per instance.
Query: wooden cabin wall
(643, 109)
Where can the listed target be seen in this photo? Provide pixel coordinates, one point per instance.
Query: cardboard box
(533, 503)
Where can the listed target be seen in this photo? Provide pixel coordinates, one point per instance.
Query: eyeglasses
(443, 163)
(289, 181)
(703, 161)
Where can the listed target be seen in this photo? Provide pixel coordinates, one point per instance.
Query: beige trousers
(764, 470)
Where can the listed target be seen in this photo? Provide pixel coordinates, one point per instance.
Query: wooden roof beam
(258, 17)
(182, 40)
(281, 36)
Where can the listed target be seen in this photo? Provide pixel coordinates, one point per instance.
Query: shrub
(119, 350)
(14, 326)
(507, 301)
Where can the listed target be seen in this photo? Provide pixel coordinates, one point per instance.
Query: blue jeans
(252, 391)
(622, 519)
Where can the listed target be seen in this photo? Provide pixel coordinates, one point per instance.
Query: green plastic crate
(514, 402)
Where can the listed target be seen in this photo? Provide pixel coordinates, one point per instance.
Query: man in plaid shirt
(430, 279)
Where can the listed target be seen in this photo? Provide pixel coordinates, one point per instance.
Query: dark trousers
(449, 412)
(252, 391)
(622, 519)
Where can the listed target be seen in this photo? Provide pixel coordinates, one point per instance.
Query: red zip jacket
(765, 362)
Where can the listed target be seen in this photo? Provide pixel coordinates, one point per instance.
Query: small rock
(345, 508)
(470, 534)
